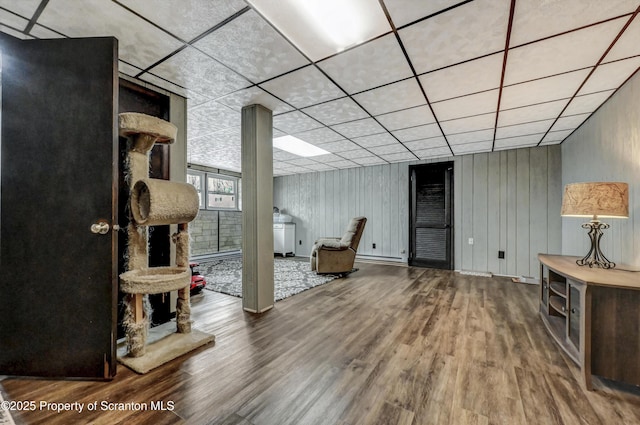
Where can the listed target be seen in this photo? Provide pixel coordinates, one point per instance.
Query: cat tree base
(163, 345)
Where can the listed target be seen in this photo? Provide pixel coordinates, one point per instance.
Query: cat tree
(155, 202)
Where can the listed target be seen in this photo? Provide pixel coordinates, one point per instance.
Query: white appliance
(284, 238)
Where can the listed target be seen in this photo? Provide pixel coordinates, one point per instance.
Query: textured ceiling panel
(319, 136)
(466, 106)
(627, 45)
(196, 71)
(463, 125)
(399, 157)
(330, 158)
(344, 164)
(433, 153)
(357, 153)
(352, 69)
(39, 31)
(336, 111)
(535, 127)
(186, 19)
(387, 149)
(211, 117)
(369, 160)
(393, 97)
(536, 19)
(518, 142)
(539, 91)
(220, 150)
(250, 46)
(375, 140)
(15, 33)
(413, 117)
(454, 81)
(434, 142)
(610, 75)
(472, 148)
(561, 54)
(281, 155)
(139, 42)
(540, 111)
(556, 136)
(587, 103)
(294, 122)
(304, 87)
(406, 11)
(470, 137)
(466, 32)
(359, 128)
(12, 20)
(340, 146)
(569, 122)
(417, 133)
(254, 95)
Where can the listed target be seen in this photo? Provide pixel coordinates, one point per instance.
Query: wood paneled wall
(607, 148)
(507, 200)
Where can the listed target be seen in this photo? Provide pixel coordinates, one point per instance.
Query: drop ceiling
(438, 78)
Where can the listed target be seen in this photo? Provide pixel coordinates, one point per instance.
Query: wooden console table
(594, 316)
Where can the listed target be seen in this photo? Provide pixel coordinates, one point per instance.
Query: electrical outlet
(374, 246)
(501, 254)
(470, 241)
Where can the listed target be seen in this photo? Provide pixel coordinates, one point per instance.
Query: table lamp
(596, 199)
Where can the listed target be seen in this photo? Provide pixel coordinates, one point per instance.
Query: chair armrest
(331, 244)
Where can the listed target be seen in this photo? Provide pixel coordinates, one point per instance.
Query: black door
(431, 215)
(58, 286)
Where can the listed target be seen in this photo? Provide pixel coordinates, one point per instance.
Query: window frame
(205, 193)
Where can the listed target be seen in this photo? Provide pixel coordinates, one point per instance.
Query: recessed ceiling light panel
(297, 147)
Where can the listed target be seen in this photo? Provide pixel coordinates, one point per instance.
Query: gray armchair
(337, 255)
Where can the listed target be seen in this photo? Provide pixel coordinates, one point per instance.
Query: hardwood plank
(388, 344)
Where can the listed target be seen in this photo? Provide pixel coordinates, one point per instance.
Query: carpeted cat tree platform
(155, 202)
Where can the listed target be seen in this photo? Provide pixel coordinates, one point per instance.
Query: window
(216, 191)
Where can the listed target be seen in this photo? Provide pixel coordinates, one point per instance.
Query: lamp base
(595, 257)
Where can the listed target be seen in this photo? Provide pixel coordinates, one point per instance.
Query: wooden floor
(386, 345)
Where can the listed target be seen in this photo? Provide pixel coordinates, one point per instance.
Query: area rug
(290, 277)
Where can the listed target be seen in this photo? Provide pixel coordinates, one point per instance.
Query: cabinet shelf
(559, 288)
(558, 304)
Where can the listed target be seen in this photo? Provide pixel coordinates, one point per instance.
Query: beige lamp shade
(596, 199)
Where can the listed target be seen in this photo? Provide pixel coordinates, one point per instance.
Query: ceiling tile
(166, 85)
(196, 71)
(336, 111)
(417, 133)
(569, 122)
(433, 153)
(627, 45)
(39, 31)
(556, 136)
(434, 142)
(304, 87)
(359, 128)
(15, 33)
(320, 167)
(251, 47)
(523, 114)
(412, 117)
(294, 122)
(560, 54)
(254, 95)
(127, 69)
(518, 142)
(405, 11)
(472, 148)
(357, 153)
(186, 19)
(536, 19)
(281, 155)
(587, 103)
(352, 69)
(319, 136)
(466, 106)
(553, 88)
(12, 20)
(139, 42)
(216, 151)
(455, 80)
(375, 140)
(24, 8)
(302, 161)
(471, 137)
(463, 125)
(610, 75)
(370, 160)
(210, 117)
(327, 159)
(399, 157)
(344, 164)
(388, 149)
(471, 30)
(393, 97)
(535, 127)
(339, 146)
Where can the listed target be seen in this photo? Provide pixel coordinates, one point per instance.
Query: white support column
(257, 209)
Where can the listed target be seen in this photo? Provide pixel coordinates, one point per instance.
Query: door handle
(101, 227)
